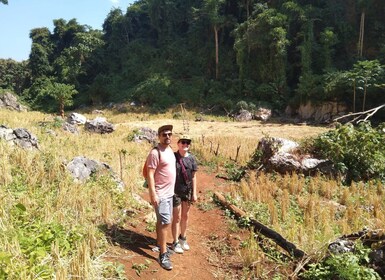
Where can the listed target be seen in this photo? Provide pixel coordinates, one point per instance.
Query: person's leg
(176, 223)
(162, 239)
(184, 218)
(183, 225)
(164, 216)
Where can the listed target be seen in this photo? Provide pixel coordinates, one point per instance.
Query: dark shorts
(177, 199)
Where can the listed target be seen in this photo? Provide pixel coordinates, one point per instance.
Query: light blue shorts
(164, 211)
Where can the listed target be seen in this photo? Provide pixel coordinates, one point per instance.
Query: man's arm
(151, 187)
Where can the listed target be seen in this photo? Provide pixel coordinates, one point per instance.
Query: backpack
(144, 169)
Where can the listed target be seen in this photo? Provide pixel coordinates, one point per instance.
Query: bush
(344, 266)
(358, 150)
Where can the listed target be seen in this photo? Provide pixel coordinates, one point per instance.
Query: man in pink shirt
(161, 176)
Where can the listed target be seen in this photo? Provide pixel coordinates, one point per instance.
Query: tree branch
(368, 113)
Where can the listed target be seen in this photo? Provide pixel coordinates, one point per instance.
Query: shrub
(358, 150)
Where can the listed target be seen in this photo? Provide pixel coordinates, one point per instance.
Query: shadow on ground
(130, 240)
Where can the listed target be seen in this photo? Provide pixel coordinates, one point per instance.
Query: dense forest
(209, 54)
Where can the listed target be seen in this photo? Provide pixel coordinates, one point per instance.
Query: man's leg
(164, 219)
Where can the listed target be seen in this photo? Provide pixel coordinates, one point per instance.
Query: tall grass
(50, 225)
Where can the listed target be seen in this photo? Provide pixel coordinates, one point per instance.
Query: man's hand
(154, 200)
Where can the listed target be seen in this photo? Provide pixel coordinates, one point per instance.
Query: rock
(262, 114)
(243, 116)
(282, 156)
(76, 118)
(99, 125)
(70, 128)
(19, 136)
(341, 246)
(82, 168)
(9, 101)
(146, 134)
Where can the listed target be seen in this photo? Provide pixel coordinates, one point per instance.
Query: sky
(20, 16)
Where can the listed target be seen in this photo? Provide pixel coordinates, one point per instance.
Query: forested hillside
(210, 52)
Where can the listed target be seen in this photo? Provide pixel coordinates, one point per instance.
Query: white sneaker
(183, 244)
(177, 248)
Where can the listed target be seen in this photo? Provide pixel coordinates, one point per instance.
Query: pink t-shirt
(165, 170)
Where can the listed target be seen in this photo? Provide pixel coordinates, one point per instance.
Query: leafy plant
(344, 266)
(140, 267)
(358, 150)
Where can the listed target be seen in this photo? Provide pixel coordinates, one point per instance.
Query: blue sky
(20, 16)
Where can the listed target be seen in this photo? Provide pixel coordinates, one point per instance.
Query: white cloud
(114, 2)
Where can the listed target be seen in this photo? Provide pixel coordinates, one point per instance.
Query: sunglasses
(167, 134)
(185, 142)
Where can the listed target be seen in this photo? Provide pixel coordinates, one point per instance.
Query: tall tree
(369, 71)
(212, 9)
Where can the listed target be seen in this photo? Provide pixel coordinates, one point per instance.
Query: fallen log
(260, 228)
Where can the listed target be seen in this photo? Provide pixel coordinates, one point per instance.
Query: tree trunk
(363, 103)
(61, 109)
(361, 36)
(354, 96)
(216, 53)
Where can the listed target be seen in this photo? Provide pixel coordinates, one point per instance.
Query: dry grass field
(306, 211)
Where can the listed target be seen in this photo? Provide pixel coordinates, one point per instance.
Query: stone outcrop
(243, 116)
(99, 125)
(262, 114)
(9, 101)
(146, 134)
(321, 113)
(282, 156)
(82, 168)
(76, 118)
(19, 136)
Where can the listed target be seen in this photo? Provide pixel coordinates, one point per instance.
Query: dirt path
(207, 233)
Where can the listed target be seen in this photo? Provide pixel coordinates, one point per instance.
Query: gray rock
(9, 101)
(243, 116)
(76, 118)
(341, 246)
(99, 125)
(19, 136)
(70, 128)
(82, 168)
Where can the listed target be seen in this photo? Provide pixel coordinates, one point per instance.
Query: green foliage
(140, 267)
(234, 172)
(357, 150)
(275, 53)
(14, 76)
(154, 92)
(347, 266)
(62, 94)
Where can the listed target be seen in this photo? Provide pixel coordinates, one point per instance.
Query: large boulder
(20, 137)
(243, 116)
(262, 114)
(99, 125)
(82, 168)
(283, 156)
(9, 101)
(146, 134)
(76, 118)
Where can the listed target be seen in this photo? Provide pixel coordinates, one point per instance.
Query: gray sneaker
(177, 248)
(164, 261)
(157, 249)
(183, 243)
